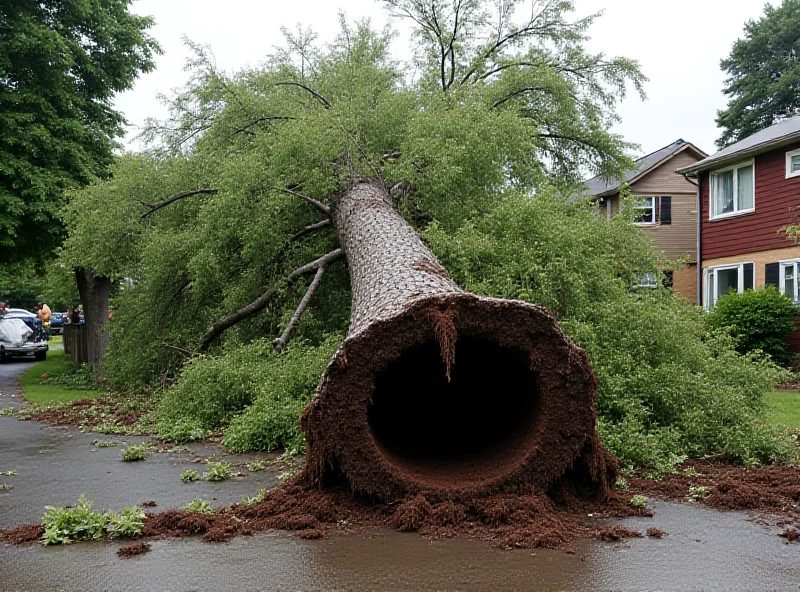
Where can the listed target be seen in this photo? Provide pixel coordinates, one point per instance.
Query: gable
(663, 180)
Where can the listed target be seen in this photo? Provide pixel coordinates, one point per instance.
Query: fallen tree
(437, 390)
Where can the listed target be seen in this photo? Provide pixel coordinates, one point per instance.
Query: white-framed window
(644, 279)
(732, 190)
(644, 210)
(789, 278)
(721, 280)
(793, 164)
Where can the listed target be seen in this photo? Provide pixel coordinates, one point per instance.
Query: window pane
(723, 192)
(645, 210)
(745, 189)
(788, 280)
(710, 289)
(796, 163)
(727, 281)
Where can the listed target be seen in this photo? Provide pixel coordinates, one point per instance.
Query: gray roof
(600, 186)
(774, 136)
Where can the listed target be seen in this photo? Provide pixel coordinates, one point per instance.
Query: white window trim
(783, 264)
(789, 155)
(735, 212)
(655, 205)
(712, 290)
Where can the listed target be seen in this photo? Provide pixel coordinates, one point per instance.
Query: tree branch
(323, 261)
(244, 128)
(220, 326)
(516, 93)
(311, 228)
(319, 97)
(174, 198)
(316, 203)
(281, 341)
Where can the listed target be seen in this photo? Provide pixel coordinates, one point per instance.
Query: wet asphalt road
(704, 550)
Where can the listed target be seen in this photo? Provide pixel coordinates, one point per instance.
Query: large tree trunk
(95, 292)
(438, 390)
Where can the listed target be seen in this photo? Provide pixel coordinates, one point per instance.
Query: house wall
(776, 205)
(760, 258)
(684, 282)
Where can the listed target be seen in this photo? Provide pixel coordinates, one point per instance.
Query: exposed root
(445, 331)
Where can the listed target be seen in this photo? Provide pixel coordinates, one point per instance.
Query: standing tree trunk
(438, 390)
(94, 291)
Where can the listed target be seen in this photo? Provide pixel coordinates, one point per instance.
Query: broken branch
(281, 341)
(317, 96)
(314, 202)
(173, 199)
(311, 228)
(323, 261)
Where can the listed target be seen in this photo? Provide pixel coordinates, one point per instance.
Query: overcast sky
(679, 45)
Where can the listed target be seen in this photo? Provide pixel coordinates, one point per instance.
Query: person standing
(45, 314)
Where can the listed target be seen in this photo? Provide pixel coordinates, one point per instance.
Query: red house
(747, 195)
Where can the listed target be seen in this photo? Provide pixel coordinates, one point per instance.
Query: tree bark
(438, 390)
(94, 291)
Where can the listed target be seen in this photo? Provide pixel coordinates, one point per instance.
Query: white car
(22, 334)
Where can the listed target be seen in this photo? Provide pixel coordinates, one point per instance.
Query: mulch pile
(504, 520)
(768, 490)
(22, 534)
(133, 550)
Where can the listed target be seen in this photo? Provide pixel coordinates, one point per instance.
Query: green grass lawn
(56, 340)
(783, 407)
(56, 364)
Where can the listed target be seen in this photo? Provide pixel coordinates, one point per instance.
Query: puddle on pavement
(704, 550)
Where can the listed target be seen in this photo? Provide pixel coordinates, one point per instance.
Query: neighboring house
(666, 204)
(748, 193)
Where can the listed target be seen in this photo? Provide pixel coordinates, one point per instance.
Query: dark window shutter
(772, 274)
(749, 276)
(666, 210)
(668, 278)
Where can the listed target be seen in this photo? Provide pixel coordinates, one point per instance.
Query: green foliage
(697, 493)
(136, 452)
(82, 523)
(189, 476)
(763, 72)
(256, 499)
(759, 320)
(105, 443)
(217, 471)
(669, 387)
(638, 501)
(60, 65)
(199, 506)
(266, 392)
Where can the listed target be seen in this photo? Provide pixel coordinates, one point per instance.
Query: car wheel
(40, 355)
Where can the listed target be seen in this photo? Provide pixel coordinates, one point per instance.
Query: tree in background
(60, 65)
(763, 69)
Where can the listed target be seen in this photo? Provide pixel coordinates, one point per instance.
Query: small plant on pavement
(189, 476)
(6, 487)
(256, 465)
(218, 471)
(199, 506)
(697, 493)
(136, 452)
(256, 499)
(638, 501)
(7, 473)
(81, 523)
(105, 443)
(128, 523)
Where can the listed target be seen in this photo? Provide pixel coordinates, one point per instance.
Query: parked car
(35, 343)
(57, 323)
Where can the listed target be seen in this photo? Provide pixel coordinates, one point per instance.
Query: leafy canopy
(60, 65)
(763, 69)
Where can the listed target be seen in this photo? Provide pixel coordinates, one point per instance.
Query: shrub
(758, 319)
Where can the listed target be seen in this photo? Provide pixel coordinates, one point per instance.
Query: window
(644, 210)
(644, 279)
(788, 284)
(732, 191)
(793, 164)
(724, 279)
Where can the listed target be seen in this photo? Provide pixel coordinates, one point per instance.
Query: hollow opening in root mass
(473, 428)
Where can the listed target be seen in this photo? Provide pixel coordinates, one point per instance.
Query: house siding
(663, 180)
(776, 206)
(684, 282)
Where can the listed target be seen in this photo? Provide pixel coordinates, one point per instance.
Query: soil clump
(19, 535)
(133, 550)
